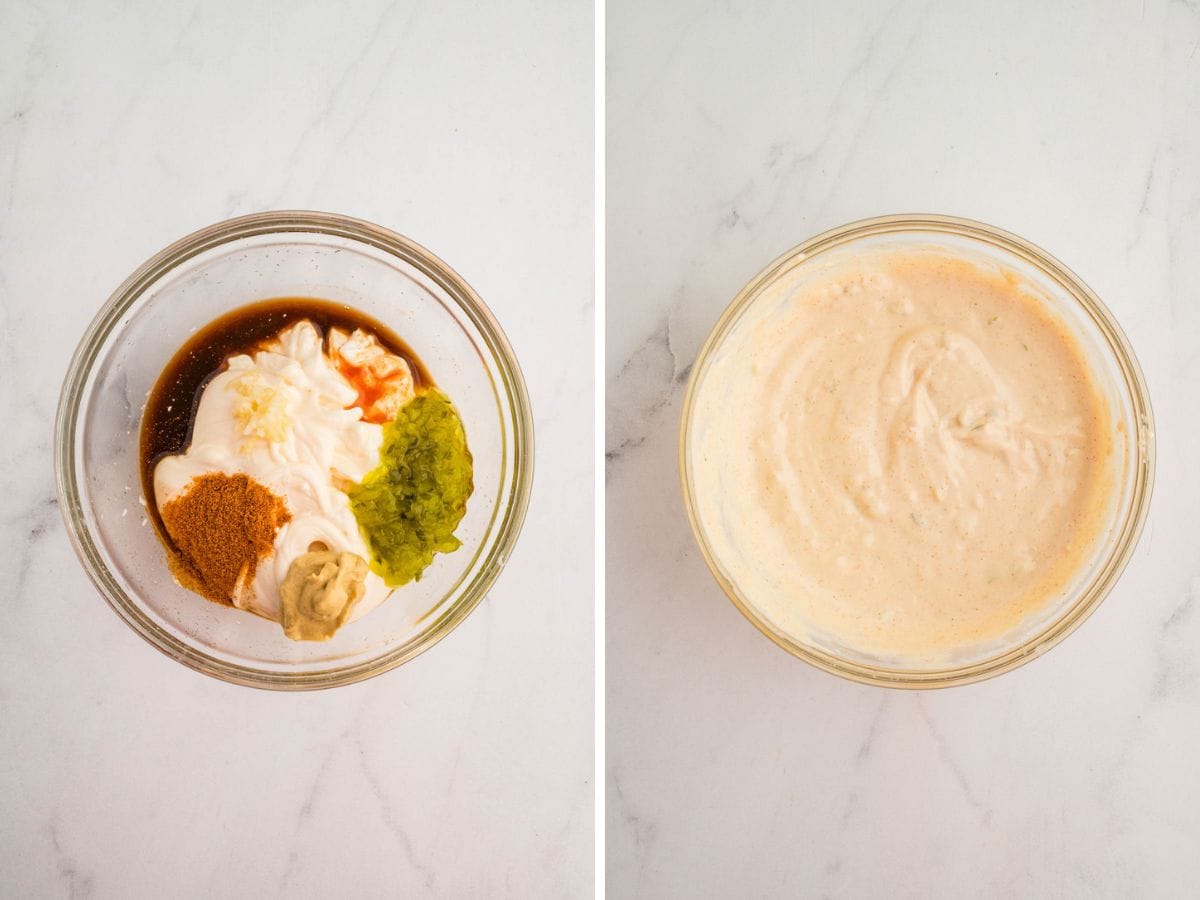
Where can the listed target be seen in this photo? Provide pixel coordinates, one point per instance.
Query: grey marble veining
(737, 131)
(467, 772)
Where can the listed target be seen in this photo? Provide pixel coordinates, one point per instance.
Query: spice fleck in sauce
(905, 455)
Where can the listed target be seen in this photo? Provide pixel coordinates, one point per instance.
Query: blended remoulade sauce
(905, 454)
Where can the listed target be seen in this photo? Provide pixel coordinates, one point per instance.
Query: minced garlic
(260, 410)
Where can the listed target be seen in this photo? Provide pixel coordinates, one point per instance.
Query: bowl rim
(1132, 519)
(511, 384)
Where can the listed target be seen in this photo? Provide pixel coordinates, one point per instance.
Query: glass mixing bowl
(1117, 375)
(187, 285)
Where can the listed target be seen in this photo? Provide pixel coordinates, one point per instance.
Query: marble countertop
(465, 773)
(734, 133)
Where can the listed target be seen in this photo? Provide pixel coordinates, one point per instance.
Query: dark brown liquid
(171, 406)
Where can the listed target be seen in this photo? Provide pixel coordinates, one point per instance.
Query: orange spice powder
(222, 525)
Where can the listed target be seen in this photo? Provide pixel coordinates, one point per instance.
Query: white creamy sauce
(905, 455)
(317, 442)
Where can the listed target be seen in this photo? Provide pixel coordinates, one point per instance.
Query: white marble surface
(466, 773)
(734, 132)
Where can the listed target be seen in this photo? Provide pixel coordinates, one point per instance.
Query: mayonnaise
(284, 416)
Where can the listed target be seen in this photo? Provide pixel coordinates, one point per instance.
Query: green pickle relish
(409, 505)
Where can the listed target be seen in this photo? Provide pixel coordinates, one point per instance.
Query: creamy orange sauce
(904, 456)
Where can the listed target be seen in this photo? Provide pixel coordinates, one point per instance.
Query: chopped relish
(410, 504)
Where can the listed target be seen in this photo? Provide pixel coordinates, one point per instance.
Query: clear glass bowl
(1117, 374)
(187, 285)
